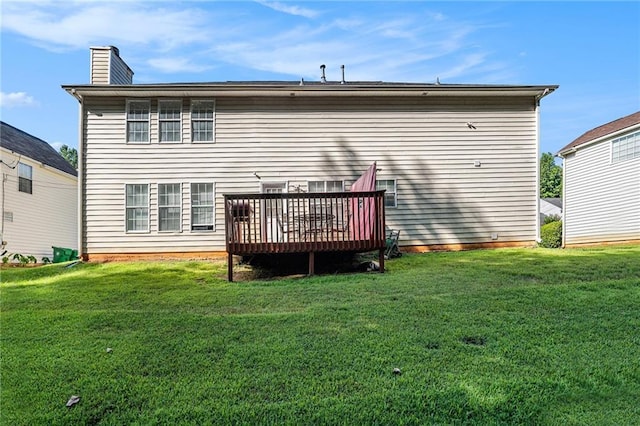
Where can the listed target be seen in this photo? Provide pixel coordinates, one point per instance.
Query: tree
(70, 154)
(550, 177)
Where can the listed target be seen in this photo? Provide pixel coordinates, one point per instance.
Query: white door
(274, 213)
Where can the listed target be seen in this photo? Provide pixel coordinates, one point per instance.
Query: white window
(326, 186)
(138, 121)
(25, 178)
(202, 206)
(137, 207)
(390, 199)
(625, 148)
(169, 203)
(202, 121)
(169, 121)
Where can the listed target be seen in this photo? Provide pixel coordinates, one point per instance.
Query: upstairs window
(202, 121)
(390, 198)
(202, 206)
(169, 202)
(169, 121)
(25, 178)
(138, 121)
(137, 208)
(326, 186)
(625, 148)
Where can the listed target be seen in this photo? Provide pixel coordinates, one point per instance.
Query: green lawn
(514, 336)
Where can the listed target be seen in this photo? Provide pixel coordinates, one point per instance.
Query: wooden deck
(304, 223)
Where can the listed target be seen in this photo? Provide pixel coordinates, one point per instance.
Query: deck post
(230, 267)
(312, 262)
(381, 260)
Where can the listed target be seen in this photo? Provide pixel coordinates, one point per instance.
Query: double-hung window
(390, 196)
(326, 186)
(202, 121)
(169, 203)
(169, 121)
(138, 121)
(625, 148)
(202, 206)
(25, 178)
(137, 207)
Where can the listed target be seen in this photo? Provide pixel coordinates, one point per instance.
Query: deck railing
(304, 222)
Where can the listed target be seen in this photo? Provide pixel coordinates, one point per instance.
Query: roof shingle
(30, 146)
(605, 129)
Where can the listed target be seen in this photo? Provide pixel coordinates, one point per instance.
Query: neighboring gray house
(459, 162)
(602, 184)
(550, 207)
(39, 196)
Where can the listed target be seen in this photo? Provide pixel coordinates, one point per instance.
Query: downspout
(564, 199)
(80, 173)
(537, 108)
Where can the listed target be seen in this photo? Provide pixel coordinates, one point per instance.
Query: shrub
(551, 218)
(551, 235)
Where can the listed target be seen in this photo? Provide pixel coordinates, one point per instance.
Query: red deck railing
(304, 223)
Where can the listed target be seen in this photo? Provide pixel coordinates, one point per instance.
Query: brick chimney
(108, 68)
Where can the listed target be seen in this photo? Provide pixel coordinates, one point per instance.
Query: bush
(551, 235)
(551, 218)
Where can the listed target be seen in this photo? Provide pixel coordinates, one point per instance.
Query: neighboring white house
(39, 196)
(602, 184)
(459, 162)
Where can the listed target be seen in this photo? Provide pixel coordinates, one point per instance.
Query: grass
(517, 336)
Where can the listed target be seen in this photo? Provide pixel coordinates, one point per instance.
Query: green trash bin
(61, 254)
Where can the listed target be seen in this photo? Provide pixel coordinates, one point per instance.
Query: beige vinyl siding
(119, 72)
(602, 199)
(100, 59)
(47, 217)
(423, 143)
(108, 68)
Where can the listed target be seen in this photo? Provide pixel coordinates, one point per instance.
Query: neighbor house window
(390, 199)
(137, 207)
(326, 186)
(169, 202)
(625, 148)
(202, 206)
(138, 121)
(169, 121)
(202, 121)
(25, 178)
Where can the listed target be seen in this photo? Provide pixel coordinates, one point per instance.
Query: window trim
(395, 193)
(213, 120)
(148, 207)
(213, 207)
(160, 120)
(128, 120)
(22, 179)
(625, 138)
(179, 206)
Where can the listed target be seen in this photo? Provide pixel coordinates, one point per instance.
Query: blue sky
(590, 49)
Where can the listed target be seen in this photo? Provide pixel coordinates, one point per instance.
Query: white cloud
(290, 9)
(77, 25)
(175, 65)
(16, 99)
(169, 37)
(57, 145)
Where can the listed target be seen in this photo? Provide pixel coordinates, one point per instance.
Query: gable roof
(30, 146)
(604, 130)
